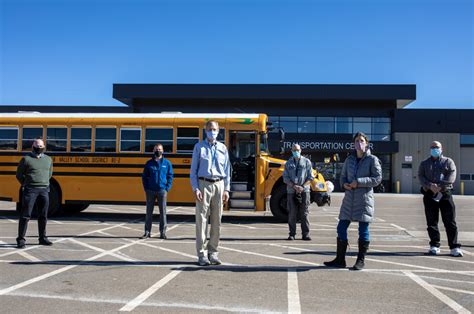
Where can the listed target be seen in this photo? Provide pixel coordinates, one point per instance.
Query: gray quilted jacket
(358, 204)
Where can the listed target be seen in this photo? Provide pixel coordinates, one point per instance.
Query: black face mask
(158, 154)
(38, 150)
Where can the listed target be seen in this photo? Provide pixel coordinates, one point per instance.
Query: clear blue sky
(70, 52)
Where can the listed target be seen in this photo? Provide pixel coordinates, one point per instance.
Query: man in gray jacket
(437, 175)
(298, 175)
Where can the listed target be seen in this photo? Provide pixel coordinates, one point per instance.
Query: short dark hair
(209, 122)
(361, 134)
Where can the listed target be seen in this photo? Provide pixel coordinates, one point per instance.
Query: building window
(306, 125)
(29, 135)
(130, 139)
(344, 125)
(81, 139)
(289, 124)
(325, 125)
(56, 139)
(467, 139)
(362, 124)
(465, 176)
(105, 140)
(186, 139)
(220, 136)
(8, 138)
(164, 136)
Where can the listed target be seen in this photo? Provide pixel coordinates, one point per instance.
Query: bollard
(397, 187)
(462, 187)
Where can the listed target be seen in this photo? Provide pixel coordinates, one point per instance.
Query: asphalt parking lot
(98, 264)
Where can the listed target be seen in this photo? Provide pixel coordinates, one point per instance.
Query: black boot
(340, 260)
(363, 248)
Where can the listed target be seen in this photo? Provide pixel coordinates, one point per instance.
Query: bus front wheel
(278, 203)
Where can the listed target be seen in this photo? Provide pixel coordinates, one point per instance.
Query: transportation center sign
(330, 143)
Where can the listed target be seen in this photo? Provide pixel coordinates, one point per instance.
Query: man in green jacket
(33, 173)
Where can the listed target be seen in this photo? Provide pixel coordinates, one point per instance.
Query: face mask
(435, 152)
(158, 153)
(212, 135)
(38, 150)
(296, 153)
(360, 146)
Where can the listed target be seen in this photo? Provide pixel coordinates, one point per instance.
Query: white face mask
(212, 135)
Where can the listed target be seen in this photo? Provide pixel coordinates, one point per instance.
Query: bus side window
(186, 139)
(8, 138)
(164, 136)
(30, 134)
(81, 139)
(130, 139)
(105, 140)
(56, 139)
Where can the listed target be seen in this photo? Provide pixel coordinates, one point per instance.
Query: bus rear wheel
(278, 203)
(74, 208)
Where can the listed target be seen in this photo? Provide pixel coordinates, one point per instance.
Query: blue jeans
(363, 230)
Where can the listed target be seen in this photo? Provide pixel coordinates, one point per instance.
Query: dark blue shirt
(157, 175)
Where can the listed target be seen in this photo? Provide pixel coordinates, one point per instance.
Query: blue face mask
(212, 135)
(435, 152)
(296, 154)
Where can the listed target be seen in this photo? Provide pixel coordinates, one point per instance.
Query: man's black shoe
(291, 238)
(308, 238)
(20, 245)
(147, 235)
(45, 241)
(163, 236)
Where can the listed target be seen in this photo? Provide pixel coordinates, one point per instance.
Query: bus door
(242, 153)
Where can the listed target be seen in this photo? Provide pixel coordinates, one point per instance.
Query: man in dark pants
(298, 175)
(437, 175)
(157, 179)
(33, 173)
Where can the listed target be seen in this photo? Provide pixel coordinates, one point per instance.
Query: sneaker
(214, 259)
(45, 241)
(456, 252)
(147, 235)
(434, 250)
(203, 261)
(291, 238)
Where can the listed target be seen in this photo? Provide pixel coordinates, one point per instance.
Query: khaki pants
(210, 209)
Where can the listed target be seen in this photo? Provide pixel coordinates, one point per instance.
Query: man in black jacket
(437, 175)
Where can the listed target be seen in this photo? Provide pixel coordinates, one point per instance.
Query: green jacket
(33, 171)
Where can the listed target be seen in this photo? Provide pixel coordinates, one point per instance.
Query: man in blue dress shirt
(210, 181)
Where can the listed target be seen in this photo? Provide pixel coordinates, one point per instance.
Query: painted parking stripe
(63, 269)
(97, 249)
(454, 290)
(294, 305)
(442, 297)
(130, 306)
(270, 256)
(25, 254)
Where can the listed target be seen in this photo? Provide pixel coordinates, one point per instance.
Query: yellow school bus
(99, 158)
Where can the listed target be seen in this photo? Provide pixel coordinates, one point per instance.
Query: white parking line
(294, 305)
(62, 239)
(454, 290)
(130, 306)
(270, 256)
(442, 297)
(25, 254)
(110, 209)
(97, 249)
(63, 269)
